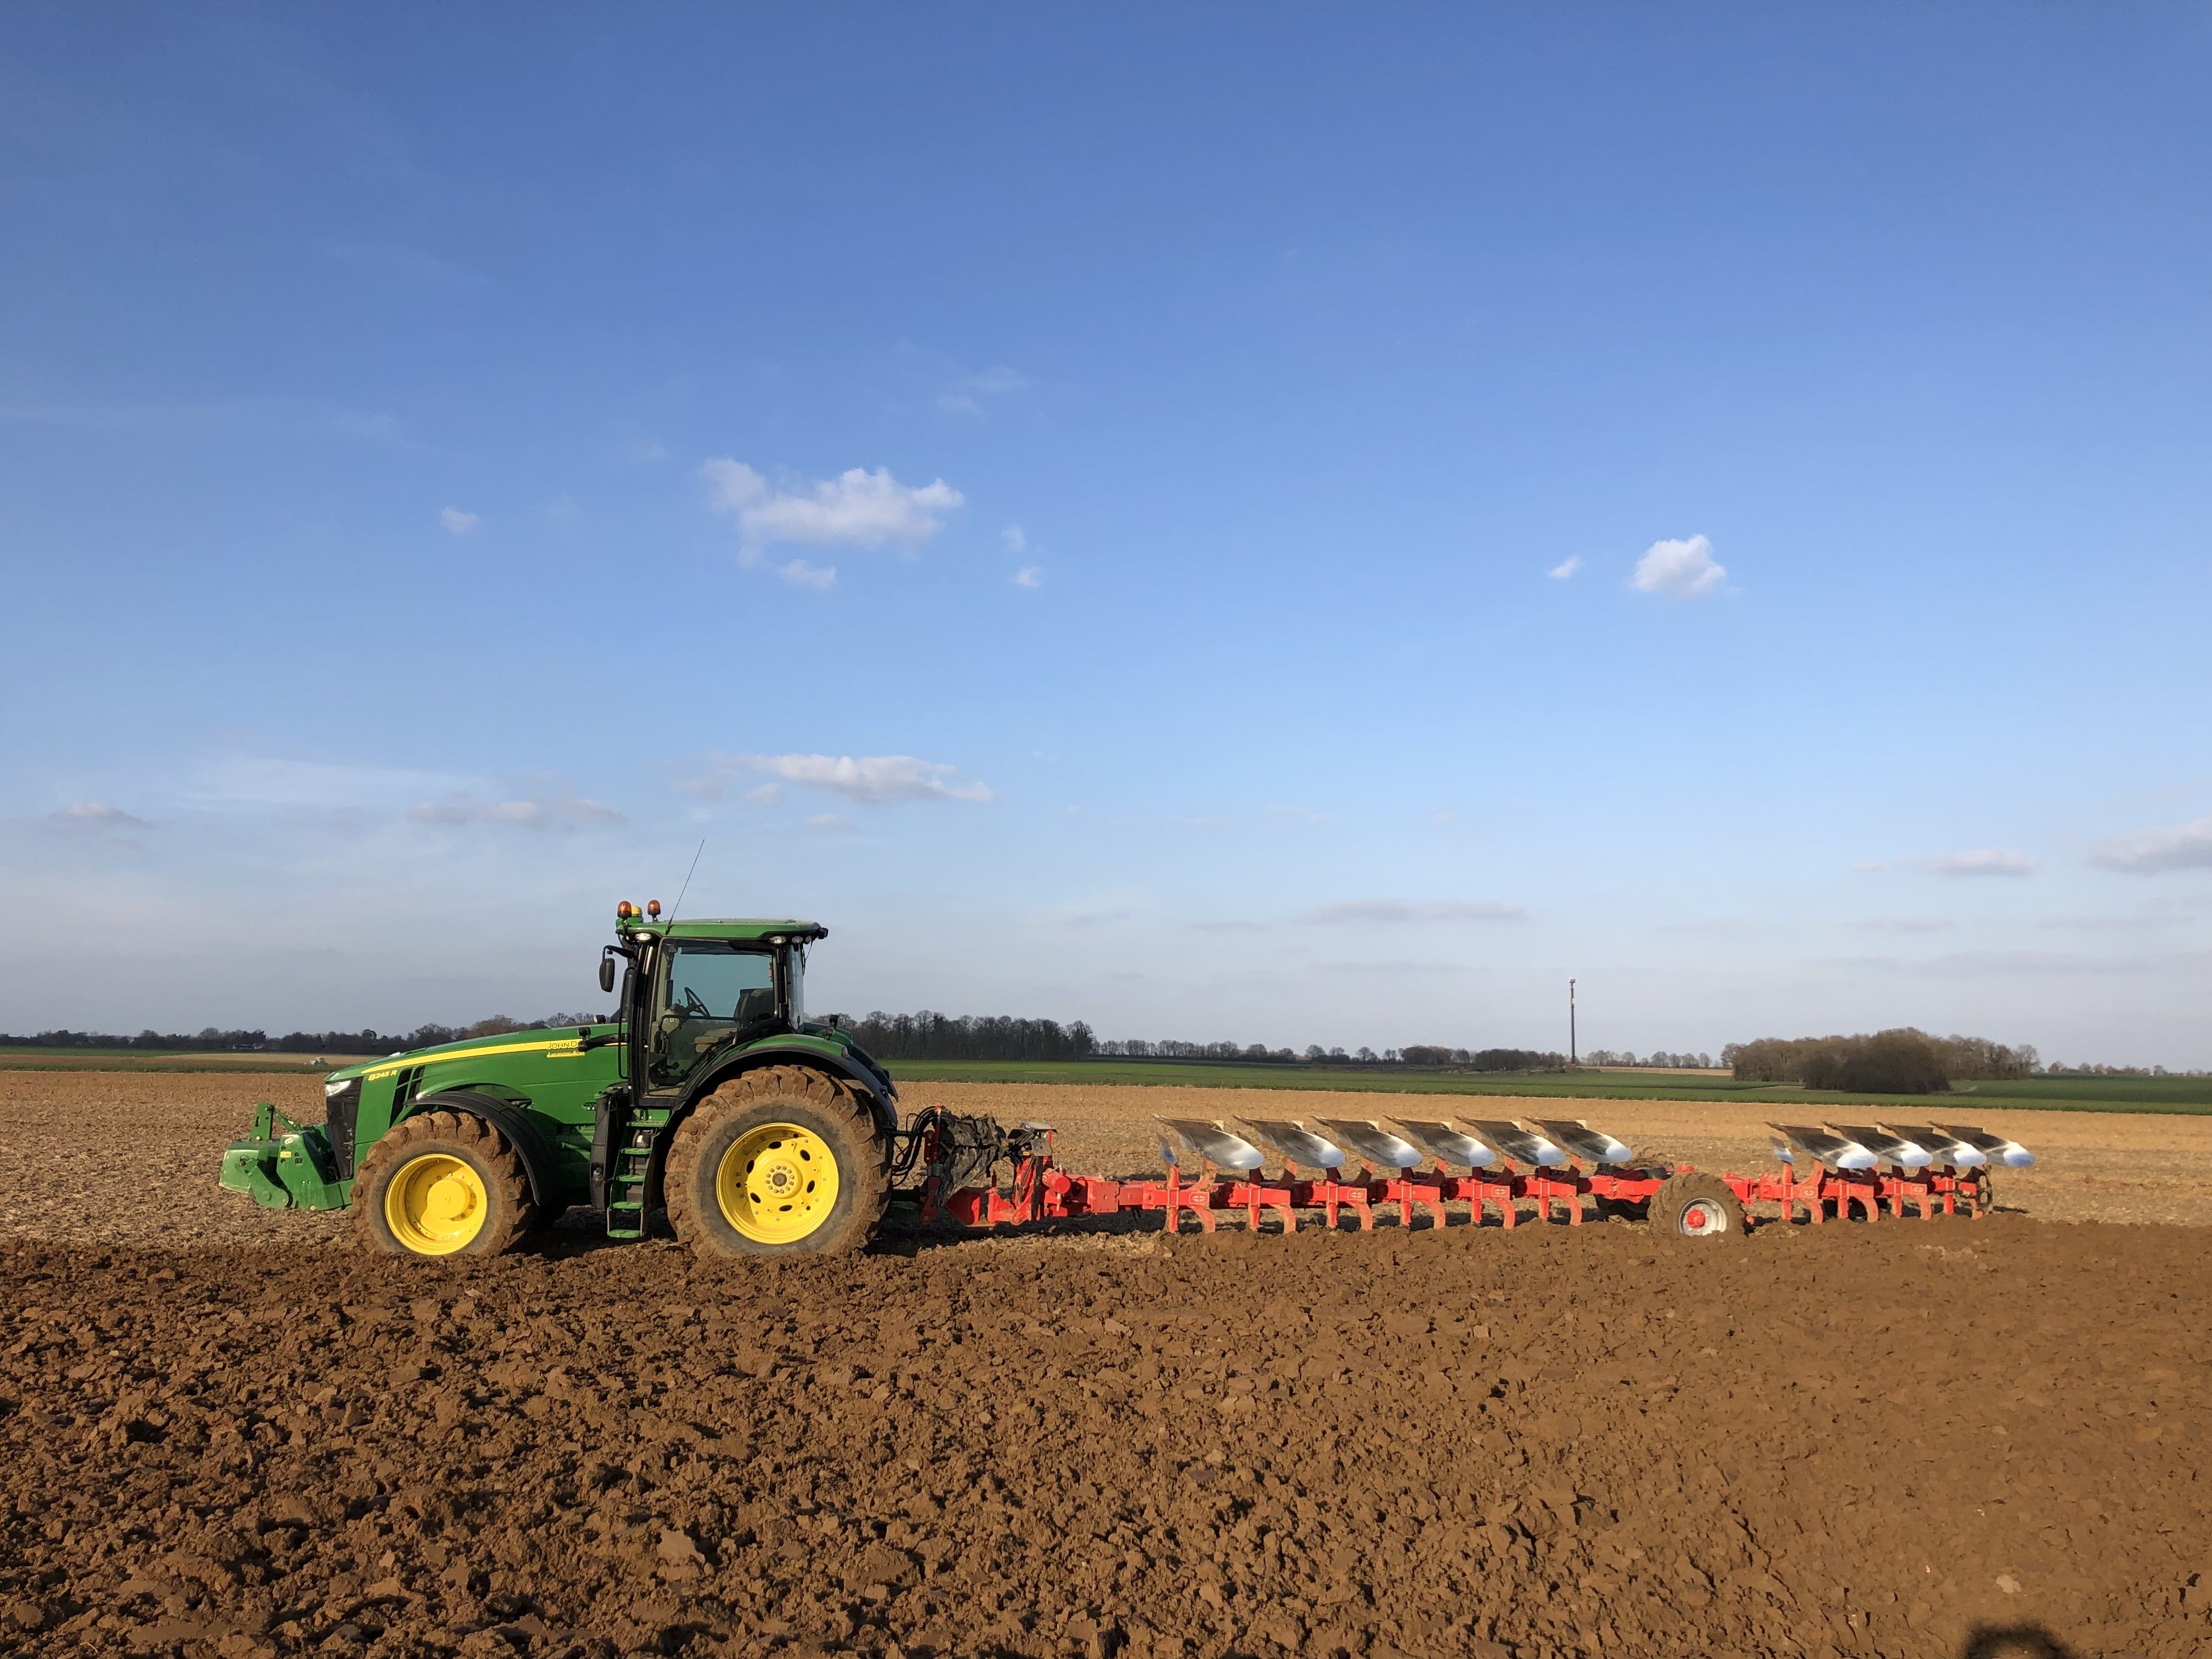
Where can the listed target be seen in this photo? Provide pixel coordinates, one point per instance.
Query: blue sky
(1282, 524)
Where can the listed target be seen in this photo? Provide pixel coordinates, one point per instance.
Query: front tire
(782, 1161)
(439, 1184)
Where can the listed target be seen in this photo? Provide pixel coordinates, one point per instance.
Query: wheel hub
(1702, 1217)
(777, 1182)
(435, 1205)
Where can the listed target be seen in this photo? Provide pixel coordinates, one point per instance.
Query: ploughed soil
(1946, 1439)
(1856, 1440)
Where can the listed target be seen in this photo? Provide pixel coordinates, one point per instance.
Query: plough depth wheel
(1694, 1206)
(1981, 1196)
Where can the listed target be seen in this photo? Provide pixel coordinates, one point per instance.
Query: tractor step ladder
(629, 1173)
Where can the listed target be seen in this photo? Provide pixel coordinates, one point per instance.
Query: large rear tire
(783, 1161)
(1692, 1208)
(439, 1184)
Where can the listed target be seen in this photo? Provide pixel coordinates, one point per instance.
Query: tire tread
(1677, 1191)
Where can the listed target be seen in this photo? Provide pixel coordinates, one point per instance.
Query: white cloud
(1983, 862)
(1030, 575)
(1392, 912)
(1868, 866)
(1016, 538)
(965, 396)
(541, 812)
(829, 824)
(2154, 852)
(800, 573)
(766, 795)
(460, 523)
(1561, 571)
(1680, 570)
(95, 815)
(872, 779)
(856, 509)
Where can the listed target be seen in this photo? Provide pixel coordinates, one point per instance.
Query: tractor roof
(743, 928)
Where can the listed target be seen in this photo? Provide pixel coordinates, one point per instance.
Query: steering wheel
(692, 1004)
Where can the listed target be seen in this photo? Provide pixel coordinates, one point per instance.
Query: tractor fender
(511, 1121)
(880, 1099)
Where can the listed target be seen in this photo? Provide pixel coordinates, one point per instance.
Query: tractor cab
(693, 991)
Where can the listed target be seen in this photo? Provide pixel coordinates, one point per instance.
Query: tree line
(928, 1035)
(368, 1041)
(210, 1041)
(1903, 1061)
(2056, 1070)
(931, 1036)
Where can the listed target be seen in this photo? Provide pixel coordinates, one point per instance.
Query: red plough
(1212, 1172)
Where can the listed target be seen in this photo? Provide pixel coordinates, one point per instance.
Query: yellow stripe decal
(560, 1049)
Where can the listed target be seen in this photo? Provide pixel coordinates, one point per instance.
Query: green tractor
(761, 1132)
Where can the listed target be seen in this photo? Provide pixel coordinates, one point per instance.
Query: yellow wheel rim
(435, 1205)
(777, 1183)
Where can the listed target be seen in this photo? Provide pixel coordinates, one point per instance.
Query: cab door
(709, 994)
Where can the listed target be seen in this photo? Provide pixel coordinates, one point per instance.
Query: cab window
(713, 992)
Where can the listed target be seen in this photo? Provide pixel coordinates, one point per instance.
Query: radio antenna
(686, 888)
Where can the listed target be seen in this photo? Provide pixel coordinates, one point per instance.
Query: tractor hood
(564, 1039)
(542, 1040)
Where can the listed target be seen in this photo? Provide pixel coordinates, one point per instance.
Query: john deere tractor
(710, 1093)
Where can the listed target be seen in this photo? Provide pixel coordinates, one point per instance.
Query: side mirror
(607, 969)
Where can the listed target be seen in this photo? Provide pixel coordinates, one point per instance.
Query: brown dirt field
(228, 1441)
(118, 1157)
